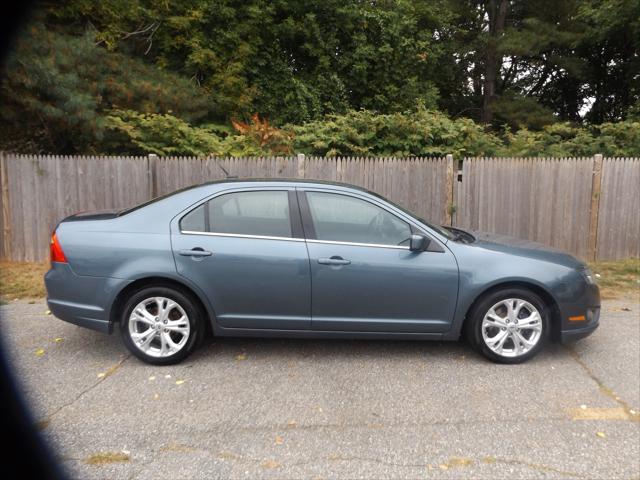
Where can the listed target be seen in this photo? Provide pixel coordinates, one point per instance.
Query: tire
(508, 337)
(167, 327)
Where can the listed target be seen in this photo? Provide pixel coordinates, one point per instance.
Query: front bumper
(591, 323)
(81, 300)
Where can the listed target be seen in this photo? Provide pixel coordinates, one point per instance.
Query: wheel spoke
(509, 305)
(147, 337)
(173, 346)
(498, 340)
(494, 320)
(163, 344)
(182, 329)
(142, 315)
(516, 343)
(518, 306)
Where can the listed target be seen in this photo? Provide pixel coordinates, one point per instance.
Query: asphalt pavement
(271, 408)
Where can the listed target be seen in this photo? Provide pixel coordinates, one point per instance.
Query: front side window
(264, 213)
(343, 218)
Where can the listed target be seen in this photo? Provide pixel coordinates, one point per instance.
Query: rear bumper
(81, 300)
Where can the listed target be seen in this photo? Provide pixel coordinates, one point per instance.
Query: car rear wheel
(161, 325)
(508, 326)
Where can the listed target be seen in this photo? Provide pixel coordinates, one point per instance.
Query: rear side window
(264, 213)
(348, 219)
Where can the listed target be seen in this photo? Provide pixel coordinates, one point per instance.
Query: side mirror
(418, 243)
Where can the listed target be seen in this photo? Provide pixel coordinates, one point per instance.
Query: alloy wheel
(159, 327)
(512, 327)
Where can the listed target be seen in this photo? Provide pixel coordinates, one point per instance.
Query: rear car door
(246, 251)
(363, 275)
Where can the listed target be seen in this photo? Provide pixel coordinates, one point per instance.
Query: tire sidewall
(196, 330)
(474, 332)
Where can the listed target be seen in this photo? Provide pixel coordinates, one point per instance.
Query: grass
(22, 280)
(618, 279)
(25, 280)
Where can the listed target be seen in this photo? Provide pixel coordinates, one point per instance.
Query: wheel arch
(120, 299)
(543, 293)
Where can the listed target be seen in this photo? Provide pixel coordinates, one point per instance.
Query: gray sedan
(308, 259)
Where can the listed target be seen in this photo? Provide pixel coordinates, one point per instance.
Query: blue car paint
(423, 295)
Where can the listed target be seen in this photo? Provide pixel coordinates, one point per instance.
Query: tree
(58, 89)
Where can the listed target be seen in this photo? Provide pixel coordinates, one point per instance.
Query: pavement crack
(44, 422)
(604, 389)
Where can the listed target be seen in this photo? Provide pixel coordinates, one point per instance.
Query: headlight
(589, 276)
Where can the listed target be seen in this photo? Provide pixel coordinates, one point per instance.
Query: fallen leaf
(242, 356)
(101, 375)
(106, 457)
(279, 440)
(48, 312)
(270, 464)
(617, 413)
(40, 352)
(57, 340)
(291, 423)
(179, 382)
(601, 434)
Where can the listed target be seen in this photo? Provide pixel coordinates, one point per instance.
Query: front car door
(363, 275)
(246, 251)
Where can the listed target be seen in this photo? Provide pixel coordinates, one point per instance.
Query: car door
(246, 251)
(363, 275)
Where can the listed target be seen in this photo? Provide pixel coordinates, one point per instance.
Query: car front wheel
(508, 326)
(161, 325)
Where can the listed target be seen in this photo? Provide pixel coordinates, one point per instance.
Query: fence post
(151, 175)
(449, 190)
(5, 253)
(301, 165)
(596, 185)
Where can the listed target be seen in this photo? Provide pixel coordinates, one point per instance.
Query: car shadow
(105, 346)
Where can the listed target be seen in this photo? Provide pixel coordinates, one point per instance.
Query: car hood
(525, 248)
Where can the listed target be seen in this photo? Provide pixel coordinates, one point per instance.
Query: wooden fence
(586, 206)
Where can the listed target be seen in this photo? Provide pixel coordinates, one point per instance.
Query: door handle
(195, 252)
(335, 260)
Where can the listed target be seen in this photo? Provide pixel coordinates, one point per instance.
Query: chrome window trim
(240, 235)
(356, 244)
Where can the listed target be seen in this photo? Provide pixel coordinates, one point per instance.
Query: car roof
(302, 181)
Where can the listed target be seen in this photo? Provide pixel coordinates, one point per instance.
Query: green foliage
(130, 132)
(421, 133)
(427, 133)
(620, 139)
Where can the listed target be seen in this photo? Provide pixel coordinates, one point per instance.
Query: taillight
(57, 255)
